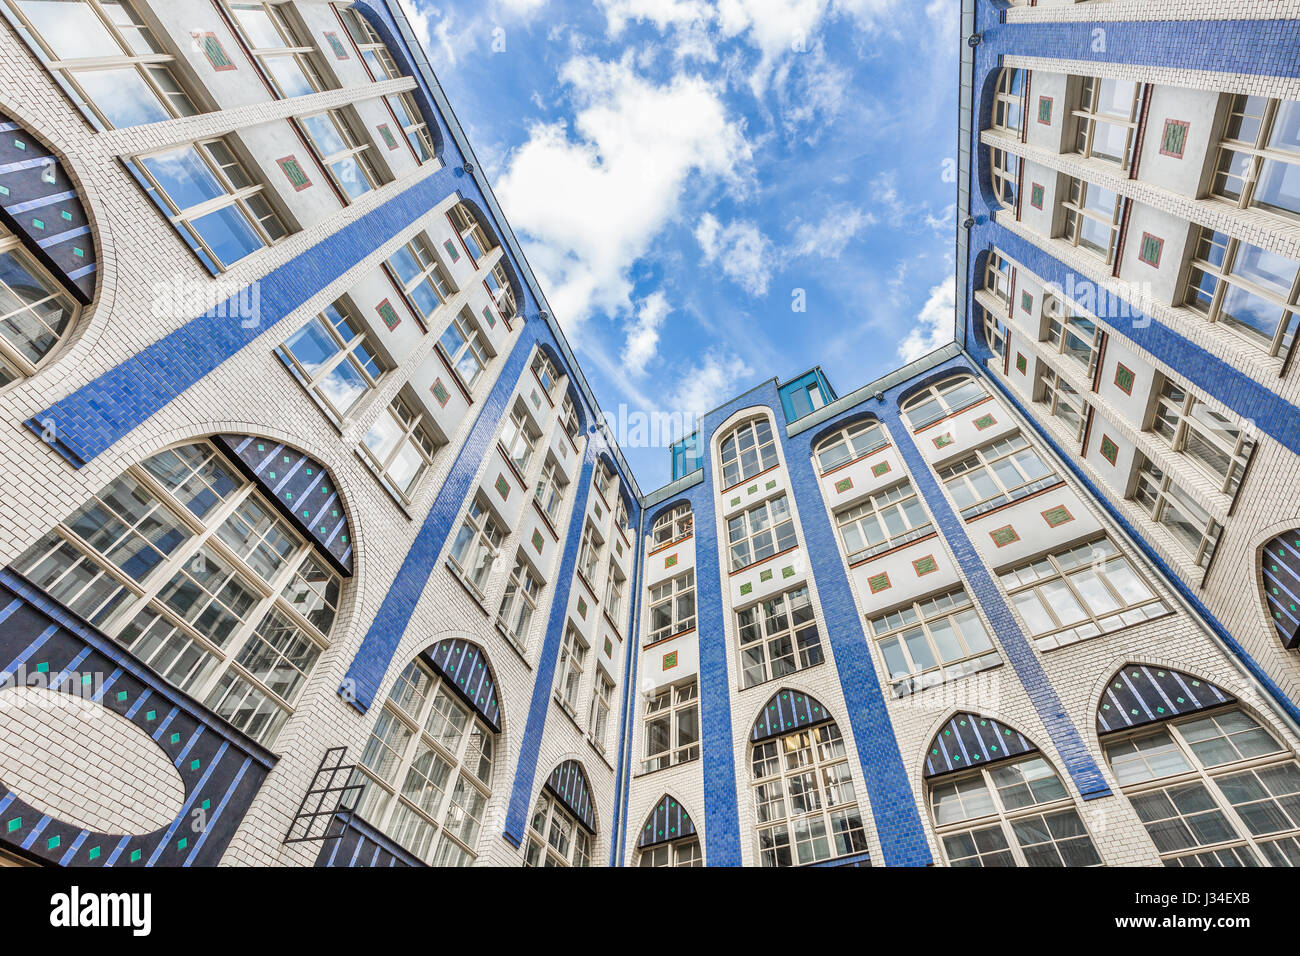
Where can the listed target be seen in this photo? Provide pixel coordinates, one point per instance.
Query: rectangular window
(421, 275)
(569, 419)
(1168, 504)
(1063, 402)
(503, 294)
(519, 437)
(1259, 156)
(463, 348)
(286, 59)
(1092, 218)
(1079, 592)
(672, 607)
(476, 544)
(399, 447)
(333, 358)
(105, 57)
(777, 637)
(550, 490)
(373, 51)
(614, 599)
(1252, 291)
(589, 552)
(519, 602)
(672, 727)
(1076, 337)
(932, 641)
(210, 198)
(545, 371)
(1105, 121)
(1215, 442)
(601, 698)
(997, 474)
(760, 532)
(342, 151)
(471, 233)
(887, 519)
(413, 125)
(568, 673)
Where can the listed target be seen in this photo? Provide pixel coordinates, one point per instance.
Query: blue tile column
(521, 792)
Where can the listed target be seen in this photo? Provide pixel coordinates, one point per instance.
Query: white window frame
(1252, 156)
(1085, 203)
(914, 628)
(898, 503)
(290, 46)
(354, 349)
(676, 524)
(481, 534)
(548, 828)
(427, 279)
(355, 151)
(570, 669)
(768, 525)
(415, 437)
(519, 602)
(993, 461)
(1217, 263)
(942, 399)
(1088, 116)
(31, 313)
(849, 445)
(762, 438)
(677, 706)
(1167, 503)
(791, 646)
(674, 595)
(1219, 446)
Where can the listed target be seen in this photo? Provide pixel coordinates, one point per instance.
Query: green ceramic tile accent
(609, 647)
(122, 696)
(1124, 378)
(670, 560)
(93, 853)
(770, 485)
(53, 843)
(389, 139)
(135, 856)
(879, 468)
(537, 540)
(752, 490)
(182, 843)
(985, 421)
(1058, 515)
(1036, 196)
(765, 574)
(15, 824)
(943, 441)
(1109, 450)
(925, 565)
(878, 582)
(1021, 363)
(151, 715)
(43, 667)
(196, 764)
(388, 314)
(1174, 138)
(502, 486)
(440, 392)
(582, 608)
(734, 502)
(843, 485)
(746, 588)
(336, 45)
(1004, 536)
(452, 251)
(787, 571)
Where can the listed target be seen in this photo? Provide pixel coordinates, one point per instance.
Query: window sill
(515, 644)
(675, 541)
(469, 589)
(854, 461)
(754, 564)
(664, 640)
(402, 505)
(745, 481)
(672, 766)
(953, 414)
(799, 670)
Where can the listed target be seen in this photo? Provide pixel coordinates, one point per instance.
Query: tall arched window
(184, 561)
(1280, 565)
(35, 312)
(849, 444)
(1211, 785)
(562, 831)
(1008, 100)
(747, 450)
(941, 400)
(996, 801)
(673, 525)
(427, 768)
(668, 837)
(805, 807)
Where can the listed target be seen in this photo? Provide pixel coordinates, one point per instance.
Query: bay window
(551, 486)
(519, 602)
(519, 437)
(475, 548)
(1092, 217)
(285, 58)
(1105, 121)
(399, 447)
(463, 348)
(342, 151)
(1258, 163)
(334, 359)
(996, 474)
(411, 120)
(421, 276)
(568, 672)
(1063, 401)
(1215, 442)
(1250, 290)
(1168, 504)
(928, 642)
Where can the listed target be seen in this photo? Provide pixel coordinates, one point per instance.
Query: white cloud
(773, 27)
(828, 238)
(945, 223)
(642, 341)
(934, 324)
(589, 204)
(662, 13)
(745, 255)
(521, 8)
(715, 380)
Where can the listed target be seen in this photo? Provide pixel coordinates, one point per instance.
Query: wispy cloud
(841, 224)
(740, 249)
(641, 344)
(935, 323)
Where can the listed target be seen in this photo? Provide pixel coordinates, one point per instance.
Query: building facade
(316, 552)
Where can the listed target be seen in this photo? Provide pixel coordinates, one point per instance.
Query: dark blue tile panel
(1139, 694)
(968, 740)
(667, 821)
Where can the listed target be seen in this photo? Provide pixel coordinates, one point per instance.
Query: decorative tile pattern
(1280, 564)
(1139, 694)
(1124, 378)
(1057, 516)
(293, 172)
(569, 783)
(924, 566)
(968, 740)
(1173, 140)
(1004, 536)
(878, 582)
(785, 711)
(667, 821)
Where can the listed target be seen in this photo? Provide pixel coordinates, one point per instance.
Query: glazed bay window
(568, 672)
(1092, 217)
(334, 359)
(181, 561)
(519, 437)
(776, 637)
(471, 231)
(476, 544)
(34, 311)
(463, 348)
(1213, 789)
(760, 532)
(427, 769)
(503, 294)
(672, 607)
(805, 804)
(413, 125)
(105, 57)
(210, 198)
(1259, 156)
(519, 602)
(1252, 291)
(997, 277)
(342, 151)
(1216, 443)
(942, 399)
(1005, 168)
(589, 552)
(399, 447)
(1007, 100)
(373, 51)
(887, 519)
(997, 474)
(614, 598)
(1105, 121)
(1170, 505)
(1076, 337)
(1010, 814)
(851, 444)
(747, 451)
(1078, 592)
(673, 526)
(284, 56)
(602, 696)
(672, 726)
(932, 641)
(1063, 402)
(544, 370)
(549, 493)
(555, 837)
(421, 276)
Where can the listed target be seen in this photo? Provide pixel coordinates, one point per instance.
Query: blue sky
(683, 174)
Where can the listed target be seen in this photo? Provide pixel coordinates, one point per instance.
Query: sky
(713, 194)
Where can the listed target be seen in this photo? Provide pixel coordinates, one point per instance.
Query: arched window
(478, 242)
(997, 802)
(668, 837)
(1008, 100)
(1210, 784)
(1005, 168)
(849, 444)
(185, 562)
(427, 768)
(941, 400)
(373, 50)
(673, 525)
(563, 827)
(1280, 564)
(35, 312)
(747, 450)
(806, 809)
